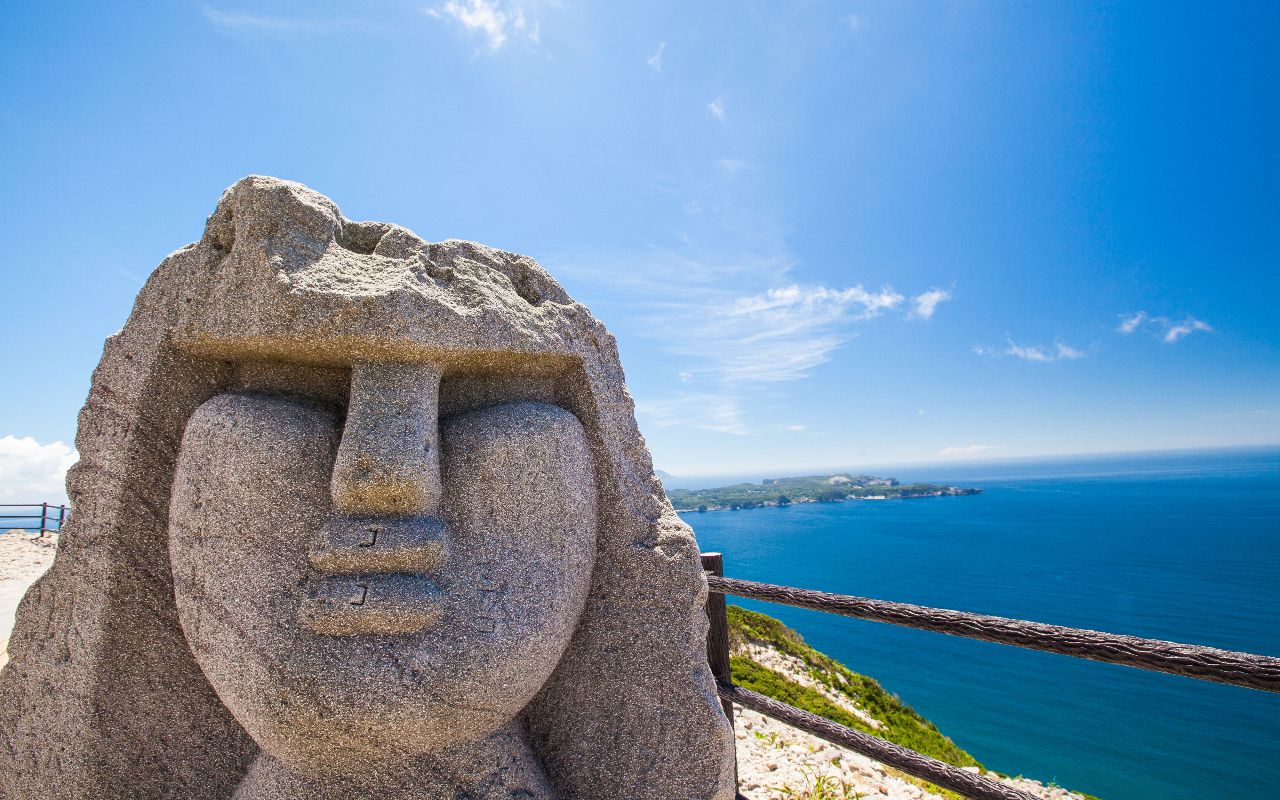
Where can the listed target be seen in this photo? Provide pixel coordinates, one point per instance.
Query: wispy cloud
(1132, 323)
(1180, 329)
(965, 450)
(923, 305)
(720, 303)
(33, 472)
(655, 60)
(716, 108)
(495, 21)
(854, 22)
(1163, 327)
(1060, 351)
(248, 22)
(713, 412)
(783, 333)
(731, 165)
(730, 338)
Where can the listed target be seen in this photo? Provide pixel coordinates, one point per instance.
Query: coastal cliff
(778, 761)
(807, 489)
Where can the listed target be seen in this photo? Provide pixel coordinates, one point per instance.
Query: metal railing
(42, 517)
(1192, 661)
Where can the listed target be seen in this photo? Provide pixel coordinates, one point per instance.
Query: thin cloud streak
(1164, 328)
(1131, 324)
(712, 412)
(655, 60)
(1034, 353)
(247, 22)
(783, 333)
(965, 450)
(1187, 326)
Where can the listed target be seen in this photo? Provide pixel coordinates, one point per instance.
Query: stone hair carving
(361, 516)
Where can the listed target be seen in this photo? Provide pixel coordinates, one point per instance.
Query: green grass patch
(902, 724)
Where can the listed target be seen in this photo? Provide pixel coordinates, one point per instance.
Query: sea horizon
(966, 469)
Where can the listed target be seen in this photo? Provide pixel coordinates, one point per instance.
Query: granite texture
(361, 515)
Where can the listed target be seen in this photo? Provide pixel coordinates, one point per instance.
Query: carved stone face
(373, 612)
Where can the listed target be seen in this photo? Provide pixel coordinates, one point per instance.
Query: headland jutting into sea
(807, 489)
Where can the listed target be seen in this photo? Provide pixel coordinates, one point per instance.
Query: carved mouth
(371, 576)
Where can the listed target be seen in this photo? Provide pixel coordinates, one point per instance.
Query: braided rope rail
(909, 761)
(1191, 661)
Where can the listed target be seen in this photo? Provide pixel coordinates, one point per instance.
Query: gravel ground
(24, 556)
(776, 761)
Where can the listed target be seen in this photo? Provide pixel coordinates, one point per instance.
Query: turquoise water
(1183, 547)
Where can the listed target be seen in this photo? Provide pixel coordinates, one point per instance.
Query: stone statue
(361, 516)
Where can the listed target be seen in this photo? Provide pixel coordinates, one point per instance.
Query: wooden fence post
(718, 635)
(718, 644)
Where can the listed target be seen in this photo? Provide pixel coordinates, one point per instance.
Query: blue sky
(823, 233)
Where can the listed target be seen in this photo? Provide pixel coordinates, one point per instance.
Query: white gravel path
(23, 558)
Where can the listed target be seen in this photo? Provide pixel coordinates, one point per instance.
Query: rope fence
(1190, 661)
(1211, 664)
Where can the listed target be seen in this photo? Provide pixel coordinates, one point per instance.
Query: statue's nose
(388, 461)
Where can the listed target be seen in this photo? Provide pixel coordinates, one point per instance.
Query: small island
(807, 489)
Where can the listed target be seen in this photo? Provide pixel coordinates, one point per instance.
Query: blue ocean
(1182, 546)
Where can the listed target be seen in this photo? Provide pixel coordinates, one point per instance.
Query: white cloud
(716, 107)
(923, 305)
(854, 22)
(655, 60)
(1163, 327)
(686, 376)
(1066, 351)
(811, 301)
(795, 428)
(731, 165)
(712, 412)
(965, 450)
(1188, 325)
(1131, 324)
(33, 472)
(494, 20)
(1037, 353)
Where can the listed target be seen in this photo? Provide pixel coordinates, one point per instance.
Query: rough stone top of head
(310, 285)
(361, 515)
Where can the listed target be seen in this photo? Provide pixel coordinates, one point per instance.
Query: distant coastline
(836, 488)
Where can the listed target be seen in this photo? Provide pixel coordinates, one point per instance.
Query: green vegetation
(807, 489)
(902, 724)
